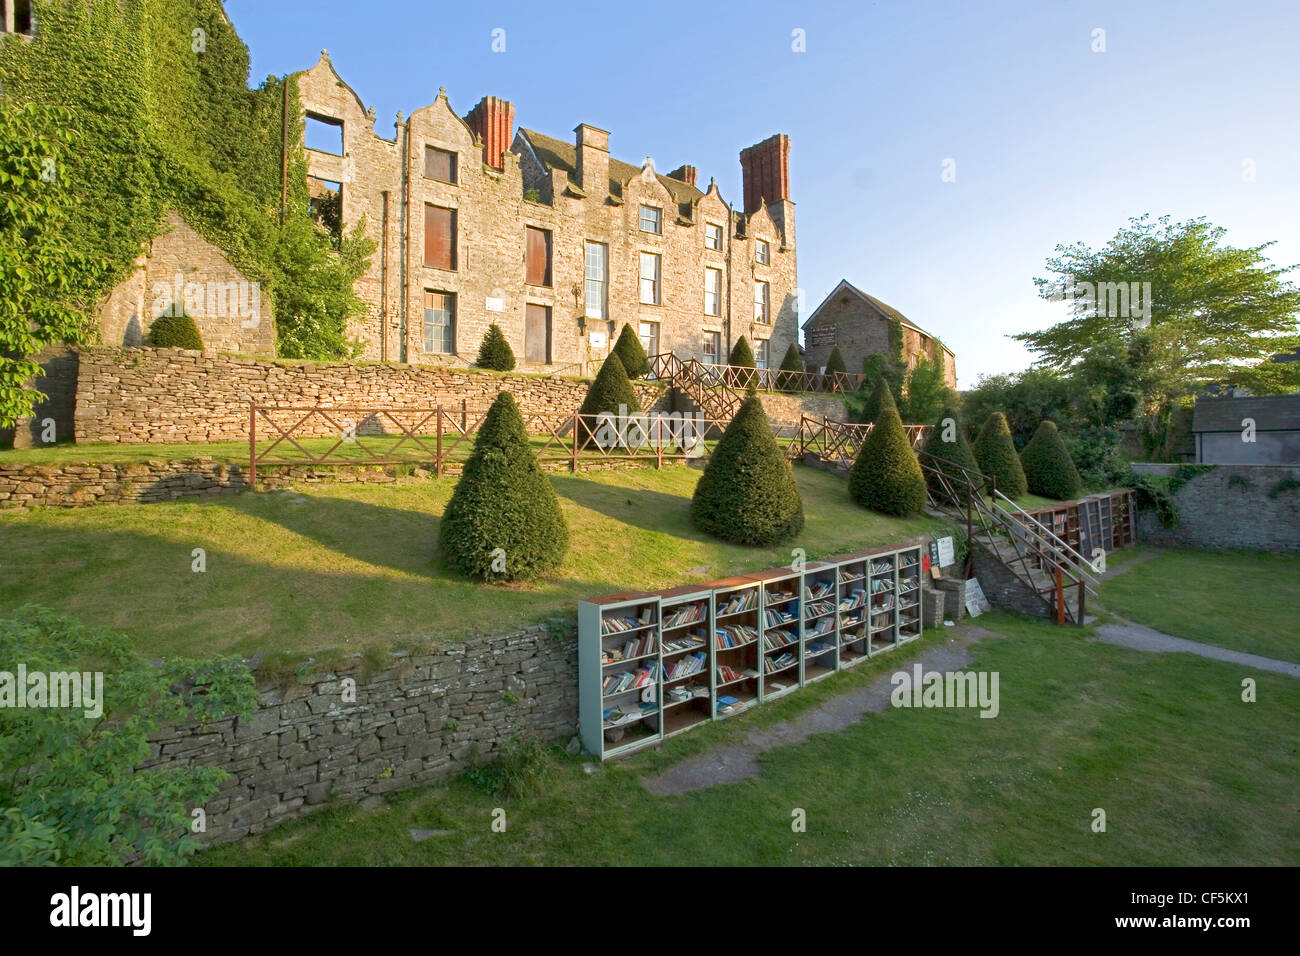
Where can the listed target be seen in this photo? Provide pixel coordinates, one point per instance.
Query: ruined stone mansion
(553, 240)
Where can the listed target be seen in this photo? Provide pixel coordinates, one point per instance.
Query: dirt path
(731, 763)
(1143, 638)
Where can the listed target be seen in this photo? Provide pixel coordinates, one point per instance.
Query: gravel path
(1142, 638)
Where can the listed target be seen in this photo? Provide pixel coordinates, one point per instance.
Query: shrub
(790, 376)
(996, 454)
(880, 398)
(631, 353)
(747, 494)
(742, 356)
(495, 352)
(503, 512)
(947, 440)
(523, 768)
(607, 392)
(886, 476)
(175, 332)
(1049, 470)
(835, 363)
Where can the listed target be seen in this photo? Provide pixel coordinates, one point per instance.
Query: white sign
(976, 602)
(495, 304)
(946, 556)
(597, 340)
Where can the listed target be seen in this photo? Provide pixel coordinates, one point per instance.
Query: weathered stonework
(1230, 506)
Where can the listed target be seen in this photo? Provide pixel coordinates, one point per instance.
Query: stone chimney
(766, 172)
(684, 173)
(593, 159)
(493, 121)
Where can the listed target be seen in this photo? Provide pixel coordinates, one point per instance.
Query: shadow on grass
(639, 507)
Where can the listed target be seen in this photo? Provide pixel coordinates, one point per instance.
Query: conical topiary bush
(631, 353)
(610, 390)
(503, 522)
(742, 356)
(1049, 469)
(886, 476)
(995, 453)
(947, 440)
(175, 332)
(495, 352)
(747, 494)
(881, 397)
(836, 362)
(789, 377)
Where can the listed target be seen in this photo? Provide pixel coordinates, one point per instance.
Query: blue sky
(1052, 142)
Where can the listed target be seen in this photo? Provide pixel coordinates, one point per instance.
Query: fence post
(252, 446)
(573, 462)
(438, 464)
(1081, 602)
(1060, 596)
(464, 420)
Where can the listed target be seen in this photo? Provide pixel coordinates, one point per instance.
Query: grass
(1246, 601)
(1186, 772)
(354, 566)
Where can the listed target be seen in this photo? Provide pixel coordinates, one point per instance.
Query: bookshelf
(655, 664)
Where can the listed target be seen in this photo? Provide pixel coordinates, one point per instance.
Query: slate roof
(1270, 412)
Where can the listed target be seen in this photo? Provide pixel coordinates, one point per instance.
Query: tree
(747, 494)
(1049, 470)
(631, 353)
(609, 394)
(873, 367)
(313, 289)
(881, 397)
(503, 522)
(886, 476)
(927, 392)
(742, 356)
(835, 363)
(69, 784)
(895, 369)
(996, 454)
(495, 352)
(38, 263)
(947, 441)
(791, 373)
(1213, 313)
(176, 332)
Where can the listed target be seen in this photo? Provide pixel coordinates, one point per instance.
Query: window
(712, 344)
(440, 164)
(762, 252)
(537, 256)
(652, 219)
(760, 354)
(325, 205)
(597, 273)
(324, 134)
(761, 303)
(649, 278)
(712, 236)
(440, 322)
(439, 237)
(649, 335)
(712, 291)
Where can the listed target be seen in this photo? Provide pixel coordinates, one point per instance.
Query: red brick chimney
(684, 173)
(493, 121)
(766, 171)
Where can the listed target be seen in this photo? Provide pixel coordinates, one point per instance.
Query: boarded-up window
(537, 256)
(439, 164)
(537, 334)
(439, 237)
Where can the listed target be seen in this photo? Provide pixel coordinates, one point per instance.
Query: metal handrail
(1045, 532)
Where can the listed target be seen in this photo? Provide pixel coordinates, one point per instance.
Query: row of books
(631, 650)
(746, 600)
(855, 598)
(735, 635)
(881, 585)
(817, 609)
(677, 695)
(629, 680)
(685, 666)
(727, 675)
(779, 597)
(614, 625)
(779, 663)
(882, 567)
(818, 648)
(775, 617)
(824, 625)
(687, 642)
(689, 614)
(778, 638)
(819, 590)
(626, 713)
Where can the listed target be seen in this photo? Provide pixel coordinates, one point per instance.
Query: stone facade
(574, 193)
(183, 271)
(426, 717)
(1252, 507)
(858, 325)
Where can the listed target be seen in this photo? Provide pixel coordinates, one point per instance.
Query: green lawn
(1186, 773)
(1243, 600)
(352, 566)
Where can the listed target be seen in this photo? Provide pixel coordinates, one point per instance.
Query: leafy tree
(631, 353)
(873, 367)
(886, 476)
(927, 393)
(742, 356)
(495, 352)
(313, 291)
(69, 786)
(947, 441)
(895, 369)
(790, 375)
(38, 263)
(176, 332)
(503, 522)
(881, 397)
(996, 454)
(747, 494)
(1048, 468)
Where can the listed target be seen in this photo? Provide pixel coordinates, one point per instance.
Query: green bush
(503, 522)
(886, 476)
(742, 356)
(631, 353)
(881, 397)
(747, 494)
(789, 377)
(1049, 469)
(495, 352)
(523, 768)
(175, 332)
(995, 453)
(947, 440)
(610, 389)
(835, 363)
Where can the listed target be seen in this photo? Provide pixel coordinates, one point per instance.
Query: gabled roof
(888, 311)
(560, 154)
(1270, 413)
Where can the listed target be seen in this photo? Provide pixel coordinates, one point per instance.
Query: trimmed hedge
(947, 440)
(610, 389)
(495, 352)
(836, 362)
(503, 501)
(788, 378)
(1049, 469)
(886, 476)
(747, 494)
(175, 332)
(995, 453)
(631, 353)
(742, 356)
(880, 398)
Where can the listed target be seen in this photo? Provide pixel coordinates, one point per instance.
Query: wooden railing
(839, 442)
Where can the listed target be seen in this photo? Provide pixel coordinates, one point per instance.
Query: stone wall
(171, 395)
(1230, 506)
(58, 383)
(427, 716)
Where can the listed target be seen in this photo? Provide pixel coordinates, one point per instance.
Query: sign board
(976, 602)
(822, 335)
(597, 340)
(495, 304)
(946, 555)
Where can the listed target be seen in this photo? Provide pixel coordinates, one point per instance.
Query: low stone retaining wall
(344, 735)
(1252, 507)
